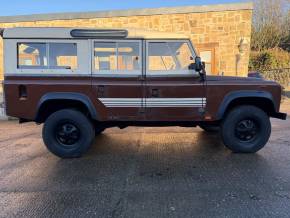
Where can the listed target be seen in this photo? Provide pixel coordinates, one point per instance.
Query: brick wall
(220, 32)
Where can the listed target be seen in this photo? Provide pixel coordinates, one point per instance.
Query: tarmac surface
(144, 172)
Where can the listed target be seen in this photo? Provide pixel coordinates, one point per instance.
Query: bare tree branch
(270, 23)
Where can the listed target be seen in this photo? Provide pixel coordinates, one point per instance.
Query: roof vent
(99, 33)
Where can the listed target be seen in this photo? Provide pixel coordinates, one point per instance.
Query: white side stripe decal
(153, 102)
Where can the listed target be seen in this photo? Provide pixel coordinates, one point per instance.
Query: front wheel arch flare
(260, 99)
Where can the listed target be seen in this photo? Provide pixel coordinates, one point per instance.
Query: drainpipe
(238, 58)
(1, 32)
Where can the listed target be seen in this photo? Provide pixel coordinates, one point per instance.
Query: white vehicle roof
(104, 33)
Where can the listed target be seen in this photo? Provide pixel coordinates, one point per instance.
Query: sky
(23, 7)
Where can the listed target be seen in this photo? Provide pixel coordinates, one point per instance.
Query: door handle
(155, 93)
(101, 90)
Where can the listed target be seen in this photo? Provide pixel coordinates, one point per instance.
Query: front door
(173, 92)
(116, 83)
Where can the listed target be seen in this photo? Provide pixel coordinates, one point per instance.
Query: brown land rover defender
(78, 82)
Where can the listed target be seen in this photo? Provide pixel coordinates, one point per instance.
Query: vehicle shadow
(148, 158)
(144, 169)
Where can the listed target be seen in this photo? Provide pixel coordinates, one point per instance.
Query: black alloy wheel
(67, 133)
(246, 130)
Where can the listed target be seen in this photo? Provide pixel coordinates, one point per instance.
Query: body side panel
(221, 92)
(171, 89)
(39, 87)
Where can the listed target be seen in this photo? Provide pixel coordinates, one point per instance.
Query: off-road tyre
(246, 129)
(68, 133)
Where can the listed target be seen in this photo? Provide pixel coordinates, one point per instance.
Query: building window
(207, 53)
(206, 56)
(117, 57)
(169, 56)
(34, 56)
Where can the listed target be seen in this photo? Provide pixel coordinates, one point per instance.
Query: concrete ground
(144, 172)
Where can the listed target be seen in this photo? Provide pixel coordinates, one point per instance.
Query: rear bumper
(281, 116)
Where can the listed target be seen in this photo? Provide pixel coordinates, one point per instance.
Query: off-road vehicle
(78, 82)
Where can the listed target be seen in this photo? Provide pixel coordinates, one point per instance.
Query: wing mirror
(198, 64)
(199, 67)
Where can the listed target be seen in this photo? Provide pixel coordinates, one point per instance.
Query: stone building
(221, 33)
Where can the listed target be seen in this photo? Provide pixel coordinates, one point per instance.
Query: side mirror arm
(199, 67)
(202, 72)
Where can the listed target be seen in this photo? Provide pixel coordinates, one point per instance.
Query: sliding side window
(63, 56)
(35, 56)
(123, 58)
(32, 55)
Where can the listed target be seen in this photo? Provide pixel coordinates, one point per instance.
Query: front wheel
(246, 129)
(68, 133)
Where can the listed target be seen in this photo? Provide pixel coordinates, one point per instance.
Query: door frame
(121, 75)
(176, 104)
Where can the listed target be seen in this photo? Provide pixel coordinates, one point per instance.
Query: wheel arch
(261, 99)
(63, 100)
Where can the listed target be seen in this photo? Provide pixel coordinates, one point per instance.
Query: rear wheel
(246, 129)
(68, 133)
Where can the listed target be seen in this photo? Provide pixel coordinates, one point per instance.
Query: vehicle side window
(34, 56)
(117, 58)
(183, 54)
(105, 56)
(63, 56)
(160, 56)
(164, 57)
(129, 56)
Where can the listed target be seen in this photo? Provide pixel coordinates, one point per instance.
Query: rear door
(116, 79)
(173, 92)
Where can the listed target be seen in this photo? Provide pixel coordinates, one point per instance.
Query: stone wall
(225, 30)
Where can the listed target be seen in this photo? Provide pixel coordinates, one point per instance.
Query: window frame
(211, 62)
(49, 56)
(166, 73)
(212, 47)
(32, 66)
(11, 59)
(116, 73)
